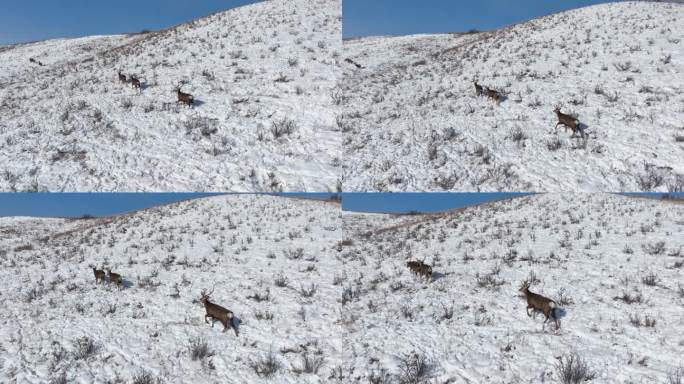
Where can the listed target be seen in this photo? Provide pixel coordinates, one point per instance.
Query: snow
(69, 125)
(221, 241)
(412, 121)
(577, 243)
(367, 312)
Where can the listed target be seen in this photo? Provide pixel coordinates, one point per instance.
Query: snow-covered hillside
(269, 259)
(262, 76)
(413, 122)
(613, 263)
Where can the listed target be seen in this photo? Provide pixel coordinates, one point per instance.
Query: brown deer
(420, 268)
(135, 82)
(494, 95)
(99, 275)
(350, 61)
(115, 278)
(478, 88)
(568, 121)
(184, 98)
(539, 303)
(122, 77)
(217, 313)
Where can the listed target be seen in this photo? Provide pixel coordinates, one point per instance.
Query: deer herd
(214, 311)
(535, 301)
(566, 120)
(110, 278)
(182, 97)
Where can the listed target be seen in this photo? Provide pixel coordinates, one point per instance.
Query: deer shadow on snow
(197, 103)
(125, 284)
(557, 315)
(235, 322)
(582, 127)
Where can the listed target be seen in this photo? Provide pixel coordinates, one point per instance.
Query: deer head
(524, 286)
(205, 295)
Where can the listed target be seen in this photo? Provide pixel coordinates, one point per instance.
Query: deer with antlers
(99, 275)
(183, 97)
(568, 121)
(539, 303)
(217, 312)
(420, 268)
(115, 278)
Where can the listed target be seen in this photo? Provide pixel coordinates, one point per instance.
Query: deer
(99, 275)
(135, 82)
(568, 121)
(420, 268)
(494, 95)
(539, 303)
(217, 312)
(122, 77)
(478, 88)
(115, 278)
(350, 61)
(183, 97)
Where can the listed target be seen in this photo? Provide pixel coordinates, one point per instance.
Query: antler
(204, 291)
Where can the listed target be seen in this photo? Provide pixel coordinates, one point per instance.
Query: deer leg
(207, 321)
(528, 311)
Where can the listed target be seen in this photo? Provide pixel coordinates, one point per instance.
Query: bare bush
(676, 376)
(199, 349)
(84, 348)
(145, 377)
(282, 127)
(310, 363)
(414, 369)
(266, 365)
(572, 369)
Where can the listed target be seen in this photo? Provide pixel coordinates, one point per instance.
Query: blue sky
(30, 20)
(105, 204)
(95, 204)
(405, 17)
(79, 204)
(419, 202)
